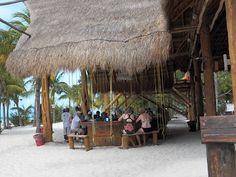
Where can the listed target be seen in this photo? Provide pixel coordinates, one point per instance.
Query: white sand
(180, 155)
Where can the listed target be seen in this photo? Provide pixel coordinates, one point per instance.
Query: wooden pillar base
(87, 143)
(125, 142)
(221, 159)
(71, 142)
(154, 138)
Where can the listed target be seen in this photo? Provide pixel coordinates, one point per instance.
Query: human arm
(121, 117)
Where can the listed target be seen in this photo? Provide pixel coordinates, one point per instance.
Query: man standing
(66, 119)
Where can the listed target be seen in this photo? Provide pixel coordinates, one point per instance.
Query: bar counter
(102, 133)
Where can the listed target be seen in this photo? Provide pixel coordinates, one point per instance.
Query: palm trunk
(0, 116)
(4, 115)
(37, 104)
(8, 106)
(18, 113)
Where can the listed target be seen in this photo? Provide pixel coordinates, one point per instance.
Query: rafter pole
(15, 28)
(217, 14)
(11, 2)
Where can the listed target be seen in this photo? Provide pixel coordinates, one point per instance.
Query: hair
(77, 108)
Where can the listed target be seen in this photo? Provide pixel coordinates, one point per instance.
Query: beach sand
(180, 155)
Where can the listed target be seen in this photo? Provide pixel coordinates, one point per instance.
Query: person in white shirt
(66, 119)
(75, 124)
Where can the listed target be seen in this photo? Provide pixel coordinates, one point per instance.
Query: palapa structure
(131, 36)
(121, 35)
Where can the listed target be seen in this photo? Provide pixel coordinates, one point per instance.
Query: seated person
(75, 124)
(97, 116)
(128, 120)
(145, 119)
(105, 117)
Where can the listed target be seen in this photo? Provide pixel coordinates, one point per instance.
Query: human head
(129, 110)
(98, 113)
(141, 110)
(77, 108)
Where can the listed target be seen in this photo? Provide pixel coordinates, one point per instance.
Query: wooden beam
(11, 2)
(124, 102)
(183, 6)
(208, 70)
(181, 96)
(46, 116)
(112, 102)
(15, 28)
(183, 29)
(217, 14)
(231, 27)
(183, 54)
(147, 99)
(200, 21)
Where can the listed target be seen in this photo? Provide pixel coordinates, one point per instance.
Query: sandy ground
(180, 155)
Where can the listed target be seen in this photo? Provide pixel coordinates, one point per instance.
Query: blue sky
(6, 12)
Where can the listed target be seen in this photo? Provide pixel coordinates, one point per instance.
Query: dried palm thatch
(125, 35)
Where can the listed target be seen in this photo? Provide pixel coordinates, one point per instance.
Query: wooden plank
(218, 122)
(219, 136)
(230, 6)
(218, 129)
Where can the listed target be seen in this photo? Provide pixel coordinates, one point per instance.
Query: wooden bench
(125, 138)
(84, 137)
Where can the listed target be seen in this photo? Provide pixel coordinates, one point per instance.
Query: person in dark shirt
(97, 116)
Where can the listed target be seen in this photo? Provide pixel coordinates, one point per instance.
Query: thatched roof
(71, 34)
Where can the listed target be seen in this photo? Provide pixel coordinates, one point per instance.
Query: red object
(39, 140)
(41, 129)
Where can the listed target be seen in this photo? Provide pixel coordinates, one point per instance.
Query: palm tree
(24, 113)
(72, 93)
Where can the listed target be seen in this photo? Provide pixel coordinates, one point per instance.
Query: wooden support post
(198, 91)
(46, 118)
(71, 142)
(192, 98)
(87, 143)
(208, 70)
(125, 142)
(230, 6)
(106, 101)
(219, 135)
(84, 93)
(221, 160)
(154, 137)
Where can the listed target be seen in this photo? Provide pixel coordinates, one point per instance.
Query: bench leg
(154, 138)
(125, 142)
(87, 144)
(71, 142)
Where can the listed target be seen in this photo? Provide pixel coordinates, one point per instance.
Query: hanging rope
(111, 98)
(92, 99)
